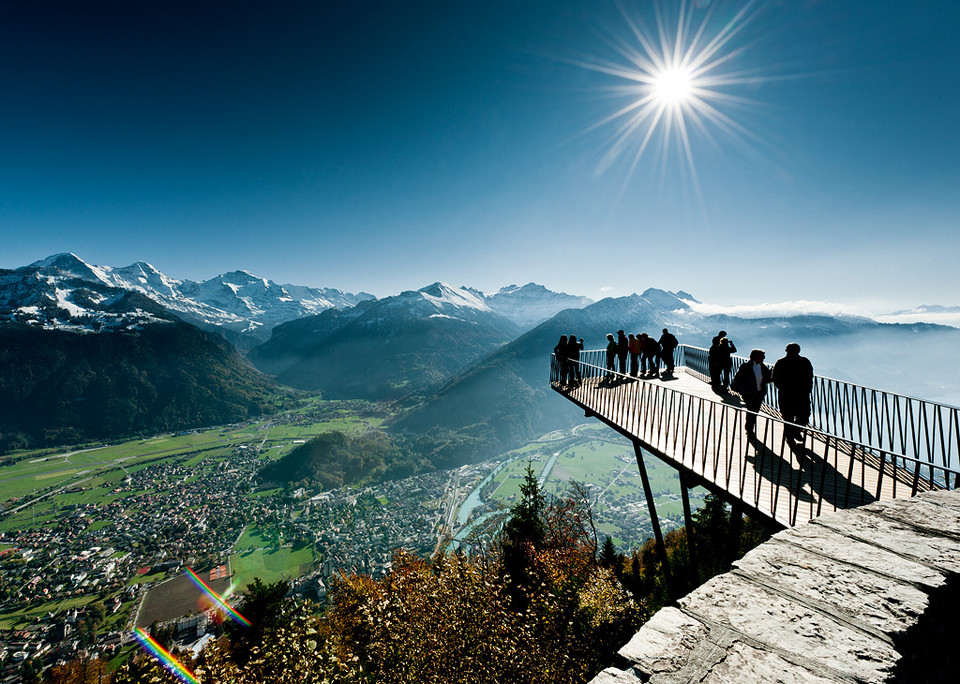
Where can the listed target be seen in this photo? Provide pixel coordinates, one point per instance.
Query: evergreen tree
(609, 558)
(523, 535)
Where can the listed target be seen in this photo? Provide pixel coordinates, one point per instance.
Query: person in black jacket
(650, 362)
(563, 364)
(668, 343)
(712, 359)
(793, 377)
(623, 348)
(611, 355)
(751, 382)
(724, 360)
(574, 347)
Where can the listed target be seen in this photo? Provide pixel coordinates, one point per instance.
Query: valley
(117, 524)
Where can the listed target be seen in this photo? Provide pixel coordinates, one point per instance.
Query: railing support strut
(654, 520)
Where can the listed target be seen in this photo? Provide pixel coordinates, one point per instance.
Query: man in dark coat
(712, 359)
(723, 358)
(651, 355)
(668, 342)
(751, 382)
(793, 377)
(611, 355)
(623, 348)
(574, 347)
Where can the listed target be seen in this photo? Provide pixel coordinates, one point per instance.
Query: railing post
(654, 520)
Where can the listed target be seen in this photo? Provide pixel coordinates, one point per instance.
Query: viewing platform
(863, 445)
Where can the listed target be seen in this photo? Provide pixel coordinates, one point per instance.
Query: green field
(271, 565)
(23, 617)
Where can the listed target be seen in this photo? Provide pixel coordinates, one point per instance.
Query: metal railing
(911, 427)
(703, 435)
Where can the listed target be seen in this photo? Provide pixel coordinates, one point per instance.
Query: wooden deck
(685, 423)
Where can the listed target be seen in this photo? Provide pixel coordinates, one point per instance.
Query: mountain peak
(69, 264)
(443, 293)
(664, 300)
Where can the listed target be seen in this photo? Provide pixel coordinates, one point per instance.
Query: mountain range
(239, 305)
(453, 358)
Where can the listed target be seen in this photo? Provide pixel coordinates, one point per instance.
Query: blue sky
(381, 146)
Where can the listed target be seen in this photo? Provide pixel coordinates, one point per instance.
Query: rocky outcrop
(866, 595)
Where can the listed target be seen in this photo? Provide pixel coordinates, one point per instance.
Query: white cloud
(951, 318)
(794, 308)
(810, 307)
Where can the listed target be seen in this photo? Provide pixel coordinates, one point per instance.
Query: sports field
(175, 598)
(271, 564)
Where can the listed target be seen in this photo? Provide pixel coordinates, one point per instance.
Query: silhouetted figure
(668, 344)
(623, 348)
(561, 351)
(651, 356)
(574, 347)
(793, 377)
(611, 355)
(751, 382)
(634, 344)
(712, 359)
(723, 360)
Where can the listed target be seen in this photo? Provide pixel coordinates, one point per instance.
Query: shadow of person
(832, 486)
(778, 469)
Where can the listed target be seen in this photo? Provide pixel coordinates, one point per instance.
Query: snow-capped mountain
(238, 301)
(77, 300)
(385, 347)
(532, 304)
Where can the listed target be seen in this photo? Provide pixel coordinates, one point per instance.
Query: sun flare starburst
(676, 77)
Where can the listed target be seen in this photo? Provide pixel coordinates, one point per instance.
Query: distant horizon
(939, 315)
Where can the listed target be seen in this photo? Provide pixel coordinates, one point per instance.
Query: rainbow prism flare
(166, 659)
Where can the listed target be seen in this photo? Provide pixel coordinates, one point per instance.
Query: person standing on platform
(623, 348)
(751, 382)
(634, 345)
(611, 355)
(668, 343)
(712, 359)
(574, 347)
(651, 355)
(793, 378)
(560, 352)
(725, 351)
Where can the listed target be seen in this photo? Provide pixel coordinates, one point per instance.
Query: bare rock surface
(836, 600)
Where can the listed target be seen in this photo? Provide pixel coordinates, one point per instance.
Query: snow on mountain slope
(532, 304)
(68, 302)
(238, 301)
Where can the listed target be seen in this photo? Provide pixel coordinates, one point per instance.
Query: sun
(677, 80)
(673, 86)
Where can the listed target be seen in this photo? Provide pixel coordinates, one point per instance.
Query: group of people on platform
(645, 353)
(792, 375)
(642, 352)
